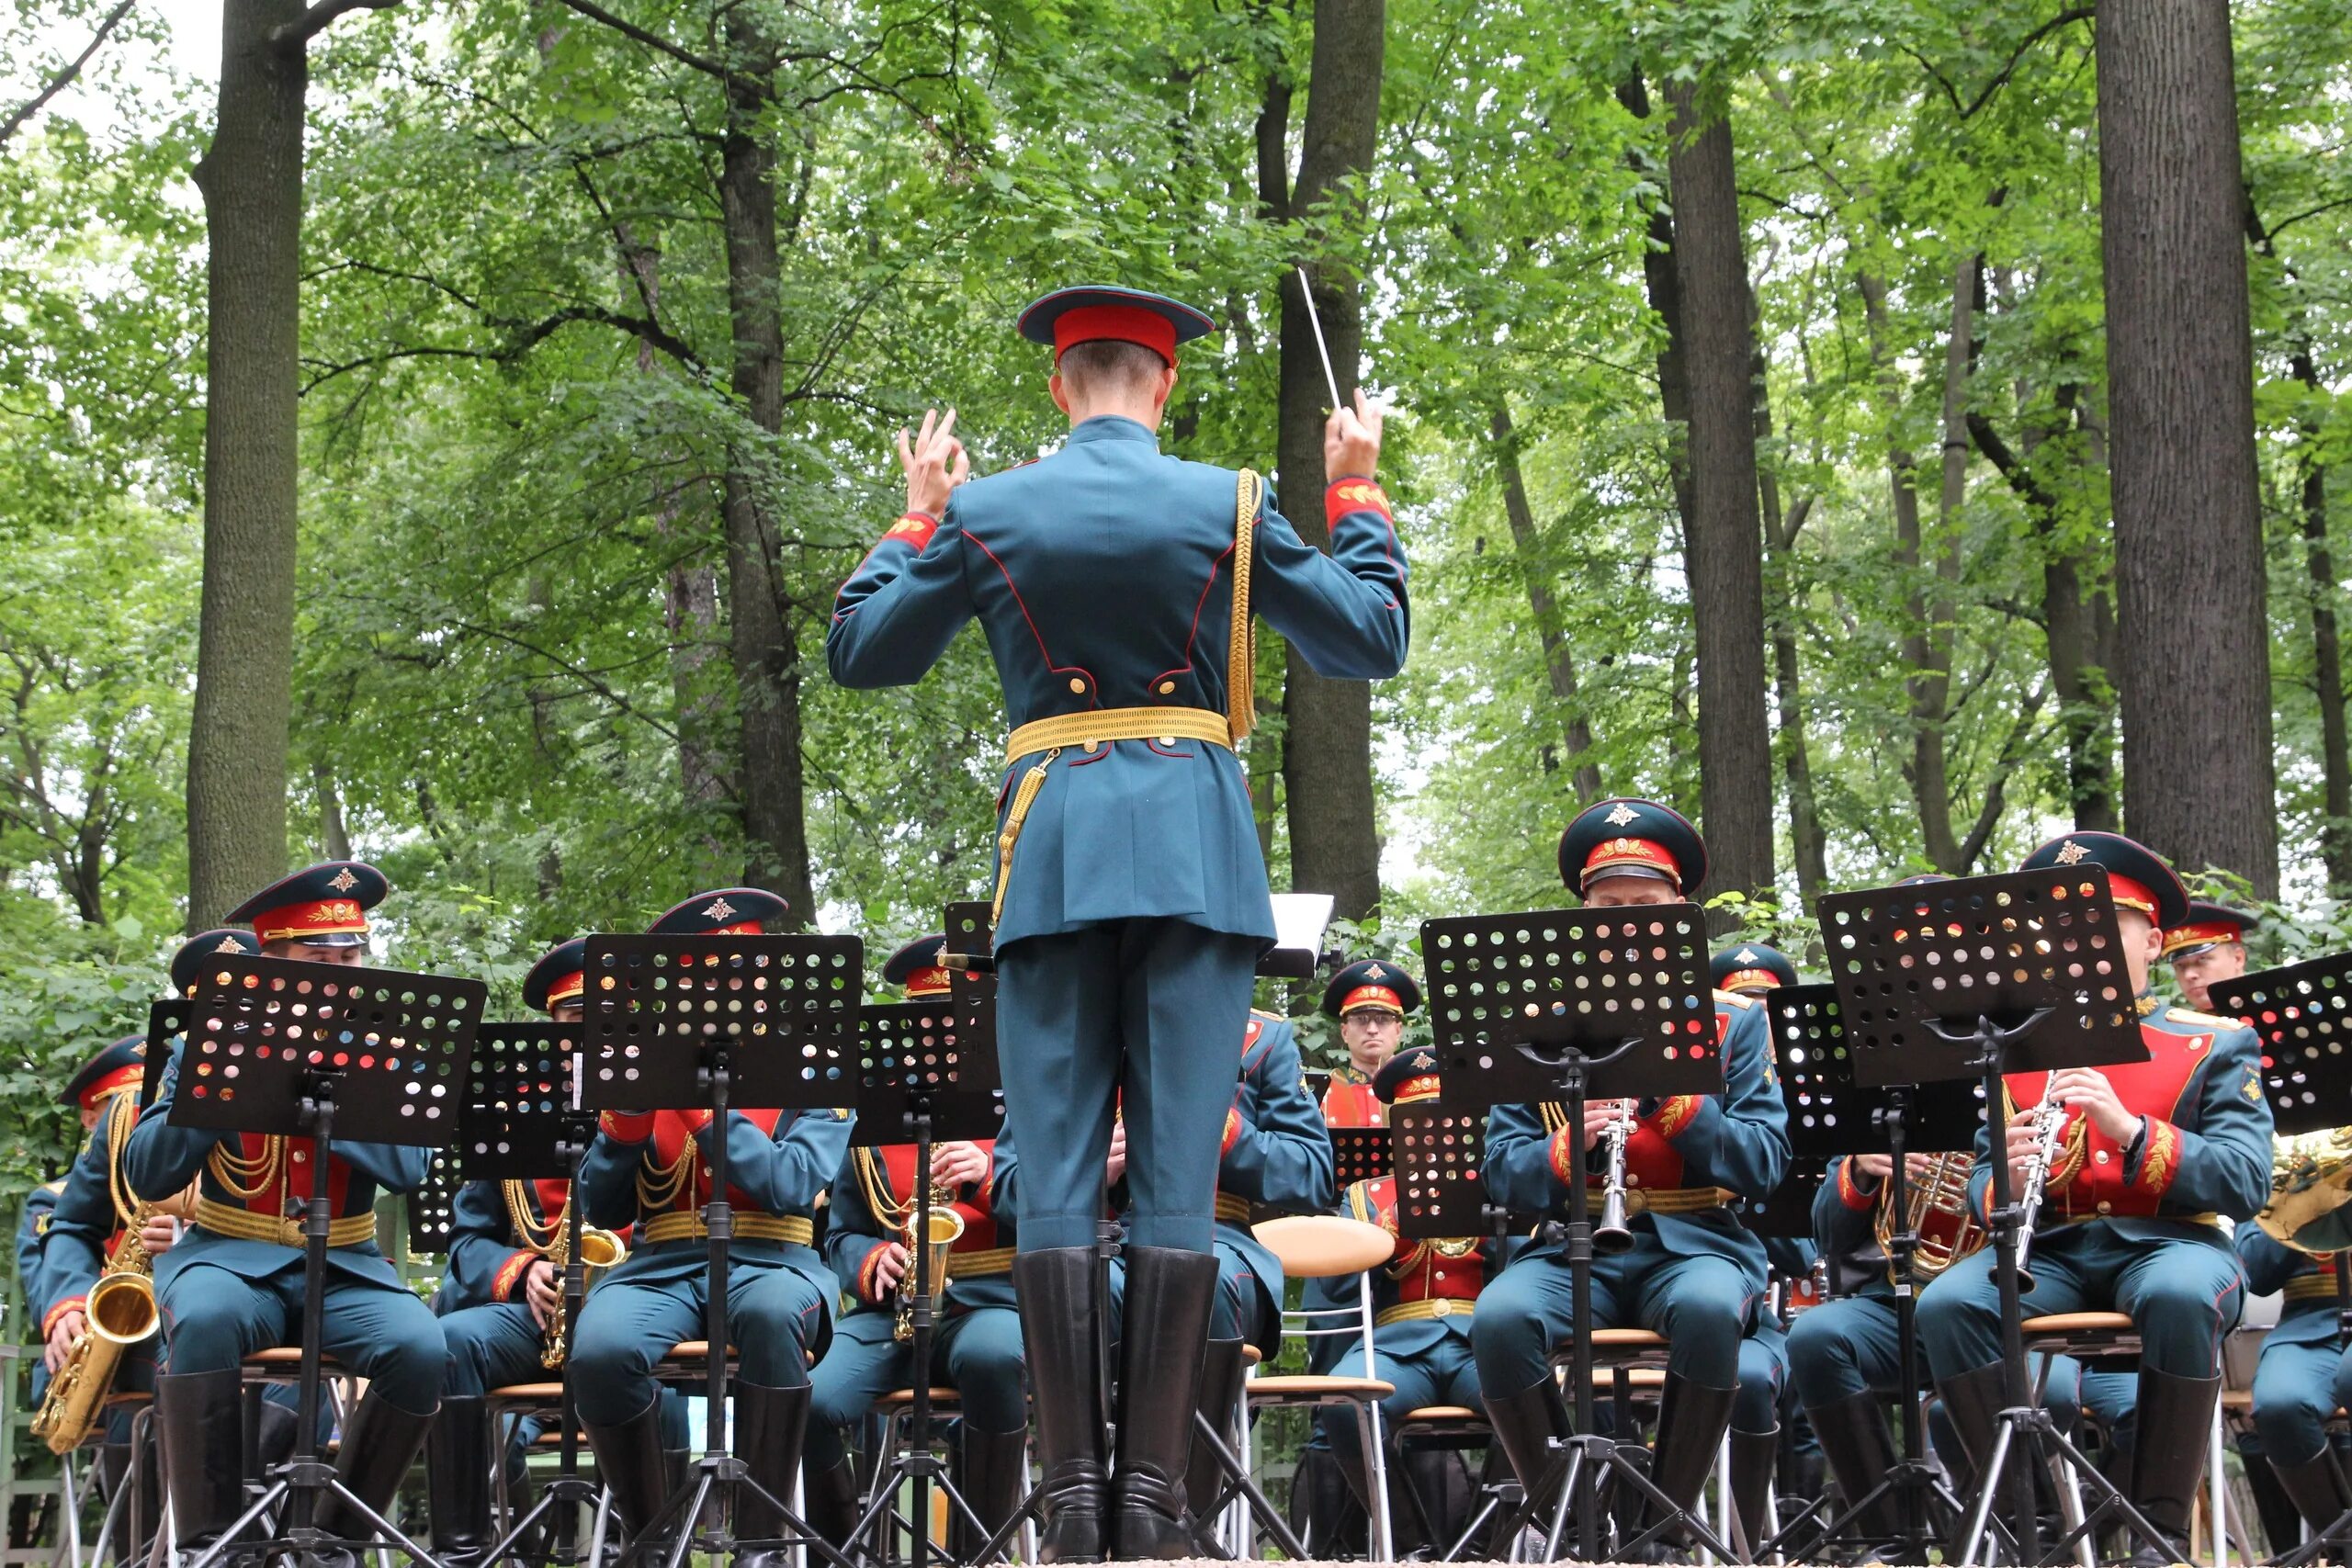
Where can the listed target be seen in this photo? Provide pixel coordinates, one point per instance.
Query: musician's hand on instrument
(1917, 1167)
(1597, 1116)
(1352, 439)
(1871, 1170)
(890, 1266)
(2022, 1138)
(934, 463)
(542, 1290)
(158, 1235)
(959, 1164)
(2089, 1091)
(61, 1338)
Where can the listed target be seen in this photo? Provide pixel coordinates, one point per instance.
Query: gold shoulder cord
(1556, 1115)
(248, 1178)
(1241, 646)
(658, 1192)
(873, 1181)
(122, 1114)
(537, 1237)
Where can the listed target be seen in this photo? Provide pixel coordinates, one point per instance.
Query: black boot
(832, 1500)
(380, 1442)
(2174, 1415)
(1972, 1403)
(1404, 1519)
(995, 1467)
(1754, 1457)
(1058, 1314)
(1860, 1450)
(634, 1467)
(2316, 1488)
(456, 1480)
(1169, 1299)
(769, 1424)
(1524, 1425)
(199, 1421)
(1220, 1393)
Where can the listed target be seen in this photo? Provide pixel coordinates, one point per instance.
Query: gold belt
(1088, 729)
(2205, 1219)
(1676, 1200)
(1417, 1312)
(2311, 1288)
(795, 1229)
(1229, 1207)
(244, 1224)
(980, 1262)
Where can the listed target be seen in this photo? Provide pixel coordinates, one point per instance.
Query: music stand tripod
(679, 1023)
(1562, 1006)
(271, 1047)
(1983, 977)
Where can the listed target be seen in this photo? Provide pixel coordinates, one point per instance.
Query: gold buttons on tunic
(1166, 687)
(1077, 684)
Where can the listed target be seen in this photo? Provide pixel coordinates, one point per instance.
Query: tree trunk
(1806, 841)
(1327, 739)
(335, 839)
(1725, 562)
(1663, 289)
(1931, 678)
(762, 635)
(1559, 659)
(2327, 648)
(2194, 671)
(251, 179)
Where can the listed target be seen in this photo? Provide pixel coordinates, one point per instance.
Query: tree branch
(293, 35)
(64, 78)
(596, 12)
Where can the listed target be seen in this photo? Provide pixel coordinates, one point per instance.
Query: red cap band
(1628, 854)
(1120, 323)
(320, 917)
(2181, 937)
(568, 988)
(929, 983)
(1426, 1087)
(1749, 980)
(1379, 996)
(120, 1078)
(2131, 894)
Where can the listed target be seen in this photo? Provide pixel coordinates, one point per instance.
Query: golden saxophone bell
(947, 1226)
(119, 1312)
(2311, 1191)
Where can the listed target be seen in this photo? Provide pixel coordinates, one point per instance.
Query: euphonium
(119, 1312)
(1936, 1214)
(1610, 1233)
(2311, 1191)
(946, 1226)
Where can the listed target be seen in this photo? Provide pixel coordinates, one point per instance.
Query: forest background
(1892, 430)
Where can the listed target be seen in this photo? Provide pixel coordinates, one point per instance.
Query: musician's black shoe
(1220, 1391)
(199, 1420)
(994, 1469)
(1059, 1317)
(2315, 1486)
(1524, 1425)
(833, 1501)
(1860, 1450)
(2168, 1461)
(457, 1480)
(769, 1423)
(634, 1467)
(1403, 1516)
(1692, 1420)
(380, 1442)
(1169, 1297)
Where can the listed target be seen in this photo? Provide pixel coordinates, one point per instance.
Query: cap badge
(720, 910)
(1744, 956)
(1621, 815)
(2071, 851)
(230, 944)
(1375, 972)
(342, 881)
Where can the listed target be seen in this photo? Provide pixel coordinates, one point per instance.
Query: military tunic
(2133, 1229)
(1423, 1300)
(1135, 902)
(485, 1315)
(84, 1233)
(2301, 1376)
(646, 1169)
(1694, 1277)
(32, 1231)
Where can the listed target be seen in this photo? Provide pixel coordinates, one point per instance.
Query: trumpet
(947, 1226)
(119, 1312)
(2049, 1125)
(1936, 1212)
(1611, 1232)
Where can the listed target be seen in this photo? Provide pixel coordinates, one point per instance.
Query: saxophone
(119, 1312)
(946, 1226)
(600, 1250)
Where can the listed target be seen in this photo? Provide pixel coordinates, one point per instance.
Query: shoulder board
(2200, 1019)
(1732, 998)
(1268, 1017)
(56, 1186)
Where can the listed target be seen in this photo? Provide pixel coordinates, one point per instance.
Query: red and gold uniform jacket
(870, 1205)
(651, 1169)
(1428, 1289)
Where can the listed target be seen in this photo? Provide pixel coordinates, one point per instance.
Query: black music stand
(282, 1047)
(922, 1077)
(1831, 1115)
(523, 1120)
(694, 1022)
(1359, 1154)
(2302, 1014)
(1982, 976)
(1564, 1005)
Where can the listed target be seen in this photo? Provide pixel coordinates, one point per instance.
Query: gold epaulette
(2201, 1020)
(1268, 1017)
(1735, 1000)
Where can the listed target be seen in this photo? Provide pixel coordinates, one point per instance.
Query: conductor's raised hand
(1352, 439)
(934, 463)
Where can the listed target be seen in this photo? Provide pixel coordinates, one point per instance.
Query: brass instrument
(2049, 1125)
(2311, 1191)
(946, 1226)
(119, 1311)
(1610, 1233)
(600, 1251)
(1938, 1216)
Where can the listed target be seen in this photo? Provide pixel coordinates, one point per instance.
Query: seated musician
(1422, 1304)
(1694, 1273)
(2207, 949)
(976, 1348)
(2299, 1380)
(644, 1169)
(233, 1285)
(2152, 1155)
(498, 1303)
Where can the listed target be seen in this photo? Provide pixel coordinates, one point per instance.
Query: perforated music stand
(524, 1121)
(287, 1047)
(1831, 1116)
(1359, 1154)
(2303, 1015)
(166, 1021)
(697, 1022)
(1562, 1005)
(1981, 976)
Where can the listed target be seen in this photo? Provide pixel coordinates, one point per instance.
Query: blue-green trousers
(775, 1317)
(1763, 1373)
(214, 1318)
(2296, 1391)
(1701, 1304)
(1443, 1372)
(2181, 1295)
(976, 1353)
(1848, 1346)
(1238, 1310)
(492, 1346)
(1144, 1017)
